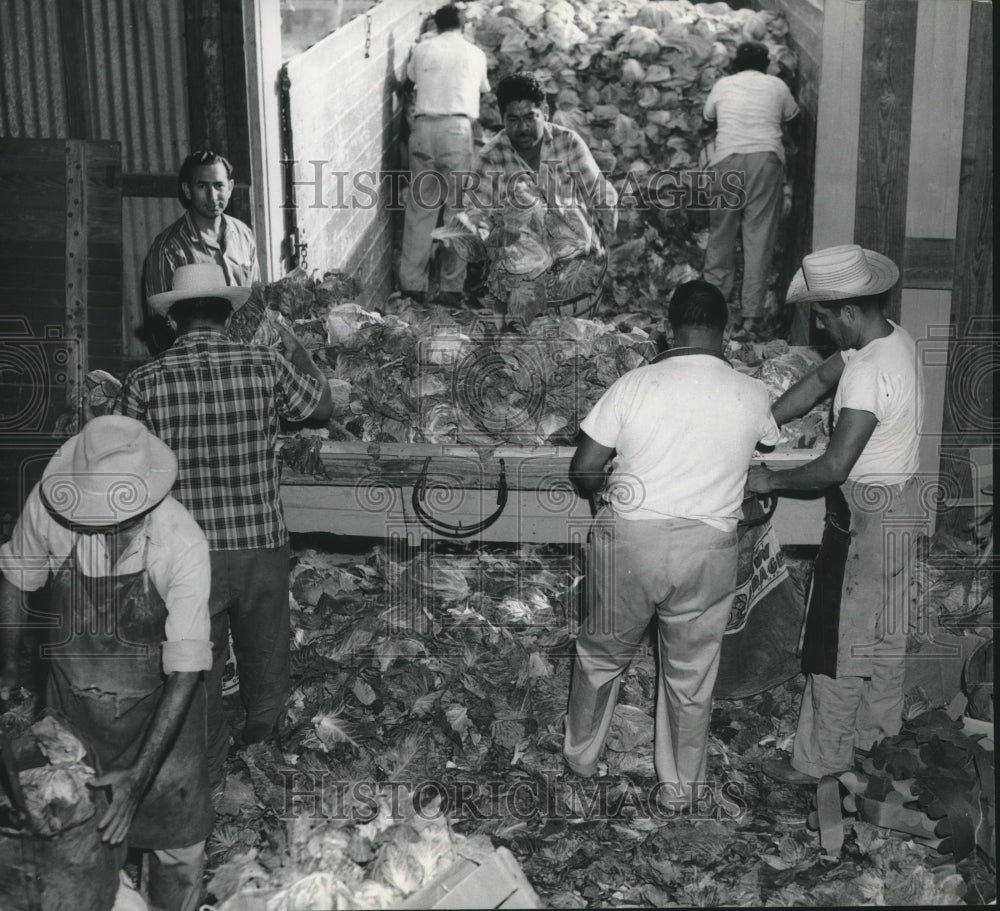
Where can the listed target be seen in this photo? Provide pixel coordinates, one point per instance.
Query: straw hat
(198, 280)
(110, 472)
(840, 273)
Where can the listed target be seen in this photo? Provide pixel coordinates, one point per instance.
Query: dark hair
(196, 160)
(447, 18)
(751, 55)
(867, 302)
(212, 309)
(519, 87)
(697, 303)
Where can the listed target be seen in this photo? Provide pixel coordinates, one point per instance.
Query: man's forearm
(817, 475)
(167, 721)
(798, 399)
(589, 483)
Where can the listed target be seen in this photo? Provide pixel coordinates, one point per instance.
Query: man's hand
(127, 788)
(759, 479)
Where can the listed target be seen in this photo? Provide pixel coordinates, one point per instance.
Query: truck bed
(368, 488)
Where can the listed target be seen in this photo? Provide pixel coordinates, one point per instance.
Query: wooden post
(262, 48)
(76, 269)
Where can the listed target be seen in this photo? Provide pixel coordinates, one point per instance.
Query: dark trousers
(249, 596)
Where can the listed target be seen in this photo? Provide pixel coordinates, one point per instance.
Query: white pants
(439, 146)
(684, 573)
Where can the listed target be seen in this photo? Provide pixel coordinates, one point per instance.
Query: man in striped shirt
(217, 404)
(203, 234)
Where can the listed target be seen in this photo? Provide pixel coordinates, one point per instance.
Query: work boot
(781, 769)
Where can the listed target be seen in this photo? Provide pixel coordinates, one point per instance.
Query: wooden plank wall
(805, 37)
(60, 291)
(904, 166)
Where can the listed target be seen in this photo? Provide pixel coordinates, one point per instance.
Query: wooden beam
(942, 46)
(884, 130)
(76, 268)
(928, 262)
(206, 81)
(836, 167)
(969, 419)
(76, 82)
(158, 186)
(262, 44)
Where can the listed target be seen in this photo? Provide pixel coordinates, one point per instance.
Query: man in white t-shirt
(748, 109)
(449, 74)
(682, 431)
(854, 644)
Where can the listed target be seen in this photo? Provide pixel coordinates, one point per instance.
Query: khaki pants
(758, 218)
(439, 146)
(683, 572)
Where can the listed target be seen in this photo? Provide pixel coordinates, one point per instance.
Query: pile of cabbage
(423, 373)
(631, 77)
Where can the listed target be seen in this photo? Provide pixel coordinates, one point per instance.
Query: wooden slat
(149, 185)
(969, 417)
(925, 314)
(76, 267)
(837, 124)
(942, 45)
(928, 262)
(884, 128)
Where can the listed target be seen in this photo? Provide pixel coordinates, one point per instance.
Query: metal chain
(302, 250)
(368, 35)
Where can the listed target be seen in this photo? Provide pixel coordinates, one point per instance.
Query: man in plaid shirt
(217, 404)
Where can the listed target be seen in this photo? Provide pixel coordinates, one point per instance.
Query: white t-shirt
(749, 108)
(684, 430)
(885, 378)
(449, 73)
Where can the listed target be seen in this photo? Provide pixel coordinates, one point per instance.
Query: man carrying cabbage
(540, 212)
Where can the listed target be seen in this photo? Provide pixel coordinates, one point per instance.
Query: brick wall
(344, 113)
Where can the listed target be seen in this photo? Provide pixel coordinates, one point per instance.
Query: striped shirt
(568, 179)
(183, 244)
(217, 405)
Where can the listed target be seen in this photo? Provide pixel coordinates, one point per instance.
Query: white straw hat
(110, 472)
(840, 273)
(198, 280)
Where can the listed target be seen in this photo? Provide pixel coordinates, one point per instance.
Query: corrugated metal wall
(136, 62)
(32, 88)
(134, 91)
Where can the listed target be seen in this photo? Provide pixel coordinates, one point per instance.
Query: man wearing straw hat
(130, 638)
(854, 642)
(218, 405)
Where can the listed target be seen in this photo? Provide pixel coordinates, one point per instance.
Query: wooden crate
(498, 882)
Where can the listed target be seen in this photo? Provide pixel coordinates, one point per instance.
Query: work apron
(106, 680)
(859, 599)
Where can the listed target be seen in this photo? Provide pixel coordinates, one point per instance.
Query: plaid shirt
(568, 177)
(182, 244)
(216, 404)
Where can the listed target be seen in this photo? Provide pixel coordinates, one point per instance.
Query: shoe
(418, 297)
(780, 769)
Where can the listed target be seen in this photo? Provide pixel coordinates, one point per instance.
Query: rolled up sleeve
(25, 560)
(180, 569)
